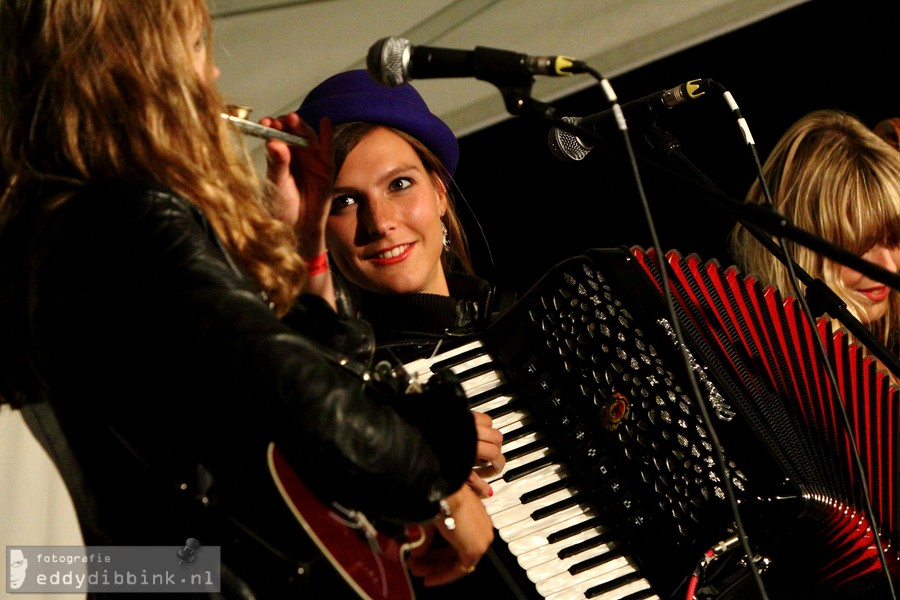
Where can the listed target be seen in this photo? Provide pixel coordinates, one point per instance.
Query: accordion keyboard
(540, 513)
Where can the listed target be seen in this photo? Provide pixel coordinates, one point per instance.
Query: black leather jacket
(169, 376)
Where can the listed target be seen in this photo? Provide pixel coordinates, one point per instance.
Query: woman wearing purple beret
(398, 251)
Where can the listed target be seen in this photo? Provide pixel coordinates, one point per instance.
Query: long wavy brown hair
(107, 89)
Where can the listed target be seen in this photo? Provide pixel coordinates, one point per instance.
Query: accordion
(697, 439)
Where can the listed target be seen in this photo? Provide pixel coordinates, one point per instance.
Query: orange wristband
(317, 265)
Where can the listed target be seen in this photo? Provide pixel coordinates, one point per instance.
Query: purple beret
(356, 96)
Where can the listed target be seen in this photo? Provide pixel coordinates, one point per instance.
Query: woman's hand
(301, 180)
(489, 459)
(467, 541)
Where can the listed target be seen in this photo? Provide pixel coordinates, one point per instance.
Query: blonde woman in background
(832, 176)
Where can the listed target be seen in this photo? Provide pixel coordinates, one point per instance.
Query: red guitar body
(372, 563)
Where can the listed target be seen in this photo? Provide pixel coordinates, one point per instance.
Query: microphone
(393, 61)
(568, 146)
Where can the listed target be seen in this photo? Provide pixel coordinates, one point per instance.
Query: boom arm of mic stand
(777, 225)
(818, 294)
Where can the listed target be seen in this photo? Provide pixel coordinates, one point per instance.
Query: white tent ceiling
(272, 52)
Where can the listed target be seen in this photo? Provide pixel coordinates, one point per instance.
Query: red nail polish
(490, 491)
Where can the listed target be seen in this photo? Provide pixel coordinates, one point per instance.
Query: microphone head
(387, 61)
(567, 146)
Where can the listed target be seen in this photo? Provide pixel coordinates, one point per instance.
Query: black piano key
(505, 409)
(596, 561)
(524, 449)
(519, 432)
(574, 549)
(558, 536)
(618, 582)
(477, 400)
(528, 469)
(550, 509)
(477, 370)
(546, 490)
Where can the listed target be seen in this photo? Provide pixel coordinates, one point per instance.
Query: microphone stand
(818, 294)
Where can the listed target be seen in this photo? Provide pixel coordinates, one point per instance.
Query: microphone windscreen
(567, 146)
(385, 61)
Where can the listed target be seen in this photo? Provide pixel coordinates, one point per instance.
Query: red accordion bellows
(764, 339)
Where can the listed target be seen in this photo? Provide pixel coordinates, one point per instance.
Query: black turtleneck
(409, 323)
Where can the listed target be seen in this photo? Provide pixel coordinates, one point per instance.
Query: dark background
(536, 210)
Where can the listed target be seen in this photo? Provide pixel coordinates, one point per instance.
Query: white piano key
(508, 494)
(521, 461)
(491, 404)
(442, 354)
(551, 578)
(518, 513)
(509, 428)
(625, 590)
(542, 554)
(578, 589)
(475, 361)
(525, 459)
(496, 479)
(529, 526)
(421, 368)
(537, 539)
(510, 418)
(482, 383)
(521, 441)
(521, 484)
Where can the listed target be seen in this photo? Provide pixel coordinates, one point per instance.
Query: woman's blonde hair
(832, 176)
(107, 89)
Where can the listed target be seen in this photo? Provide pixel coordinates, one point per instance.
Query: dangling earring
(446, 237)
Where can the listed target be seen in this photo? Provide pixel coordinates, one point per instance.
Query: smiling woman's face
(384, 232)
(872, 295)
